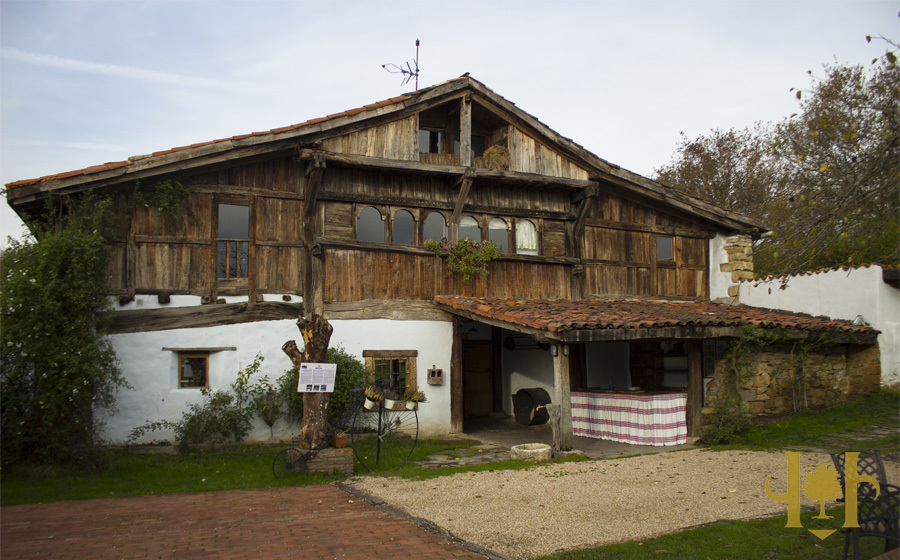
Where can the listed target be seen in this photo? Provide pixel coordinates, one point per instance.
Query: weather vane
(408, 73)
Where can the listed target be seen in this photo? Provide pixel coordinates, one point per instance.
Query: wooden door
(478, 379)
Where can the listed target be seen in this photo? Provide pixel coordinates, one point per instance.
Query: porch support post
(695, 388)
(456, 381)
(563, 396)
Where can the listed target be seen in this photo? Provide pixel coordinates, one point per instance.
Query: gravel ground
(526, 513)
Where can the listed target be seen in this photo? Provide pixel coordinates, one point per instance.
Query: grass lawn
(133, 474)
(834, 427)
(760, 538)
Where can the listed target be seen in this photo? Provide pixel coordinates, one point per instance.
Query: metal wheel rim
(398, 431)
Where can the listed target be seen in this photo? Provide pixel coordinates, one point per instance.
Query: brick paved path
(286, 522)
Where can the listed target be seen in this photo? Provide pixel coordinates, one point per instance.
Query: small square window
(665, 248)
(395, 369)
(429, 141)
(193, 370)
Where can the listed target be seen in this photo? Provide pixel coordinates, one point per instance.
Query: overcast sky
(84, 82)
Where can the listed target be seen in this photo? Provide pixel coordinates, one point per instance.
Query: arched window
(370, 225)
(469, 229)
(404, 228)
(498, 232)
(526, 238)
(435, 227)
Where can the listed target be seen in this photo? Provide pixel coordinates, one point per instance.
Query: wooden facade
(456, 150)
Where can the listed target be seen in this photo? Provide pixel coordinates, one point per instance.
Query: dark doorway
(478, 378)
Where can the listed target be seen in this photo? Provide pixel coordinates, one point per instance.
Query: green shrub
(221, 416)
(351, 374)
(56, 366)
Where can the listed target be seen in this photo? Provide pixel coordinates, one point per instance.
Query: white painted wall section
(718, 281)
(432, 339)
(839, 294)
(152, 372)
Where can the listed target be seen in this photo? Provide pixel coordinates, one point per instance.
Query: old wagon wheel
(383, 438)
(289, 461)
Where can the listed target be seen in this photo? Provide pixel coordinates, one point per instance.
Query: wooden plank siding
(353, 275)
(531, 156)
(393, 140)
(618, 248)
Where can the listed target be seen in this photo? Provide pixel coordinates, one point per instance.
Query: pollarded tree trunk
(316, 332)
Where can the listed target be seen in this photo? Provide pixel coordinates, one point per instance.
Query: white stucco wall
(718, 281)
(432, 339)
(525, 369)
(839, 294)
(152, 372)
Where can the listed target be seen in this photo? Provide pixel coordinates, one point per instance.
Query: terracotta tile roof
(561, 315)
(129, 161)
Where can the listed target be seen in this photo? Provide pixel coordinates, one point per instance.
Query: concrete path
(309, 522)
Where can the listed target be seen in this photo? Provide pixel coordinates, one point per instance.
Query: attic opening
(440, 135)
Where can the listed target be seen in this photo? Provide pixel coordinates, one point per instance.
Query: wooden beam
(512, 178)
(465, 131)
(396, 309)
(583, 207)
(695, 388)
(456, 381)
(563, 395)
(393, 200)
(538, 334)
(314, 171)
(703, 332)
(193, 317)
(466, 184)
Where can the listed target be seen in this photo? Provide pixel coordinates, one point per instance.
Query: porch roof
(596, 320)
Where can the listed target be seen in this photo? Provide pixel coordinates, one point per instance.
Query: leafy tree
(826, 179)
(56, 367)
(733, 169)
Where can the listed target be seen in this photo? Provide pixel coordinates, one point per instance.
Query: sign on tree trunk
(316, 332)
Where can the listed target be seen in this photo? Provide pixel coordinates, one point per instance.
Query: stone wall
(832, 375)
(739, 249)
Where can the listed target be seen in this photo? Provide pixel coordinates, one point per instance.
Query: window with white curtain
(526, 238)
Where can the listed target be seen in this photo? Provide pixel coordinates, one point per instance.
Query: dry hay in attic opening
(495, 157)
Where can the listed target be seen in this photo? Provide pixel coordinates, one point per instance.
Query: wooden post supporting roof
(314, 171)
(456, 381)
(695, 388)
(562, 395)
(465, 131)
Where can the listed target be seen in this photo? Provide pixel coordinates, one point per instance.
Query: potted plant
(340, 440)
(374, 395)
(391, 397)
(413, 397)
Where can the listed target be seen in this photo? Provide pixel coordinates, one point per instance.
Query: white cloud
(114, 70)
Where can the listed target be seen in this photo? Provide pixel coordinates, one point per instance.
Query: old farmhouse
(613, 293)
